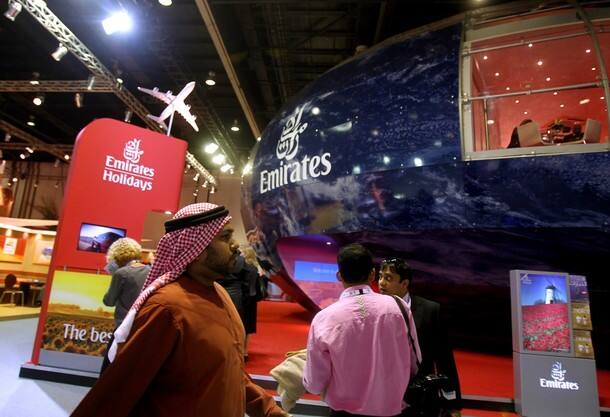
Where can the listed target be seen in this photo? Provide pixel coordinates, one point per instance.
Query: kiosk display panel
(543, 312)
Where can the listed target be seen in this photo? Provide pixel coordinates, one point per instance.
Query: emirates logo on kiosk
(127, 171)
(558, 382)
(286, 149)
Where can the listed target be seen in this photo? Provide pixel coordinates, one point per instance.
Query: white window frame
(526, 25)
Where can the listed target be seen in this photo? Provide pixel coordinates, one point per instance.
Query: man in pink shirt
(359, 356)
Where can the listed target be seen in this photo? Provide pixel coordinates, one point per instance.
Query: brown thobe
(184, 357)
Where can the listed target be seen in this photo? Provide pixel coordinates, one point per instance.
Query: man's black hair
(355, 263)
(398, 266)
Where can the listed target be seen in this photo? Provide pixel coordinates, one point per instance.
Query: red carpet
(283, 327)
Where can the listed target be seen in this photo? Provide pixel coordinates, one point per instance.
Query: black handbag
(424, 395)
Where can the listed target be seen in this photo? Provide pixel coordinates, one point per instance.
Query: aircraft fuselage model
(174, 104)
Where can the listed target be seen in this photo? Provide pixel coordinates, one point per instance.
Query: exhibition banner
(77, 319)
(119, 173)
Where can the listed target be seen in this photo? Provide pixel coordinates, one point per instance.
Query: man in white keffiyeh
(179, 351)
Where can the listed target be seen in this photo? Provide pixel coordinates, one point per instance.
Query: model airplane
(174, 104)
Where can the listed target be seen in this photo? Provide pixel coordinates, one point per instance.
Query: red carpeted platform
(283, 327)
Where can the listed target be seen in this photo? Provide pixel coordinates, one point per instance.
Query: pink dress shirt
(358, 354)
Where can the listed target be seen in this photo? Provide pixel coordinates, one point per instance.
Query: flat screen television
(98, 238)
(315, 271)
(541, 312)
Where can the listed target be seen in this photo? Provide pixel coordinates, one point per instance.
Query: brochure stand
(553, 357)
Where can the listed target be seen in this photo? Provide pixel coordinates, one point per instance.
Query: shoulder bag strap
(404, 315)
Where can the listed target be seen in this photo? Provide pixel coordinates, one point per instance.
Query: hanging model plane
(174, 104)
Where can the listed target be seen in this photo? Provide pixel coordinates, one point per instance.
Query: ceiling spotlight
(497, 74)
(593, 69)
(529, 45)
(196, 177)
(485, 57)
(14, 8)
(507, 88)
(524, 112)
(7, 137)
(66, 157)
(555, 93)
(548, 78)
(491, 122)
(78, 100)
(56, 163)
(588, 51)
(30, 150)
(212, 190)
(117, 22)
(258, 139)
(539, 63)
(128, 114)
(38, 100)
(247, 169)
(210, 148)
(211, 80)
(218, 159)
(15, 179)
(22, 156)
(205, 184)
(516, 101)
(235, 127)
(90, 82)
(59, 53)
(32, 121)
(35, 78)
(584, 101)
(225, 168)
(165, 3)
(315, 111)
(562, 106)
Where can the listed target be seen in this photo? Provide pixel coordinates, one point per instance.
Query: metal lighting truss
(36, 143)
(47, 86)
(39, 10)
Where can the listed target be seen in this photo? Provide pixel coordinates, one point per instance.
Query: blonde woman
(128, 275)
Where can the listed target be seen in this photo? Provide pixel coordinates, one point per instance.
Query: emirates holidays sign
(127, 171)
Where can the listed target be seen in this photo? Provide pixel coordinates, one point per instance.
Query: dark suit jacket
(434, 345)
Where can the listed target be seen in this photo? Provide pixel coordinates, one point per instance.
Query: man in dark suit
(395, 277)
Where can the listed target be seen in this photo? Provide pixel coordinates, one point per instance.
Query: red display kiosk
(118, 174)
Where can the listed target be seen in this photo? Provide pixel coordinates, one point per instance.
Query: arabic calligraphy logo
(557, 373)
(132, 151)
(288, 144)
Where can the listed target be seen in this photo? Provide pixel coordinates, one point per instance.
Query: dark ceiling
(276, 46)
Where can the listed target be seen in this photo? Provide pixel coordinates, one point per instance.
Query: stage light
(30, 150)
(67, 157)
(258, 139)
(165, 3)
(15, 179)
(90, 82)
(205, 184)
(235, 127)
(7, 137)
(78, 100)
(196, 177)
(128, 114)
(315, 111)
(418, 162)
(32, 121)
(14, 8)
(35, 78)
(212, 190)
(210, 148)
(247, 169)
(218, 159)
(225, 168)
(22, 156)
(56, 163)
(38, 100)
(117, 22)
(386, 159)
(59, 53)
(211, 80)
